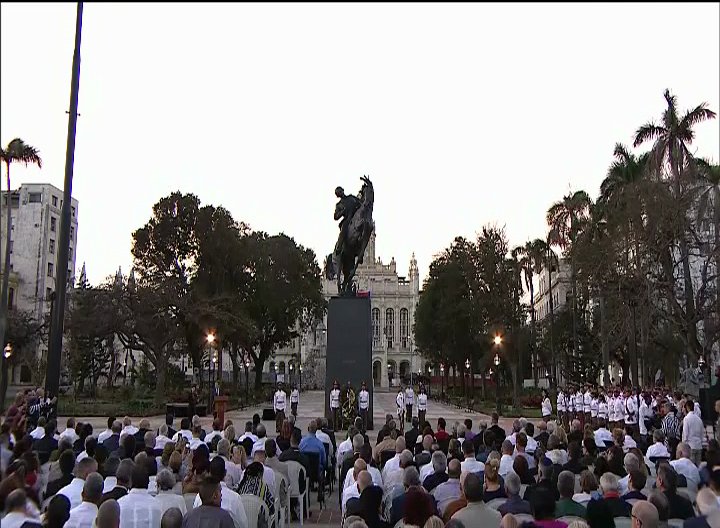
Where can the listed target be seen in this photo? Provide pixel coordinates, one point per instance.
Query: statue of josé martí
(356, 226)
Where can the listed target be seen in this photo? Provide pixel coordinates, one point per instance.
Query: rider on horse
(345, 209)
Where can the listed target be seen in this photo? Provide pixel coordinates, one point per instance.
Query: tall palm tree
(671, 140)
(564, 218)
(532, 261)
(17, 151)
(551, 263)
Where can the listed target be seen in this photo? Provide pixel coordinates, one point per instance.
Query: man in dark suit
(574, 465)
(411, 480)
(47, 444)
(112, 443)
(545, 472)
(169, 419)
(412, 435)
(66, 462)
(143, 428)
(123, 476)
(636, 483)
(439, 475)
(425, 455)
(498, 432)
(678, 506)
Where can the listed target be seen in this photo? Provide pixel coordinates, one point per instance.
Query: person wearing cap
(280, 404)
(422, 406)
(294, 400)
(335, 405)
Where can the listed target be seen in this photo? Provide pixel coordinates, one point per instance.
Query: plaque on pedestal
(349, 348)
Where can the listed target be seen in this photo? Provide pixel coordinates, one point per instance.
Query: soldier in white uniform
(619, 409)
(422, 406)
(400, 402)
(409, 401)
(561, 406)
(335, 405)
(294, 400)
(587, 402)
(279, 403)
(364, 405)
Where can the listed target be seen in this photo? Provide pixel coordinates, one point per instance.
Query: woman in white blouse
(546, 406)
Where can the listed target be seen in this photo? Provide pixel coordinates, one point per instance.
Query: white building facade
(393, 300)
(35, 210)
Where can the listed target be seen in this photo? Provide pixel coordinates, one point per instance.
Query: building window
(50, 269)
(376, 327)
(54, 201)
(72, 233)
(53, 224)
(35, 197)
(404, 327)
(52, 246)
(389, 326)
(73, 211)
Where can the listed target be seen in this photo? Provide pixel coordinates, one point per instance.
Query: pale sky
(461, 114)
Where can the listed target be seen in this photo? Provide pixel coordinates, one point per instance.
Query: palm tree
(551, 263)
(532, 260)
(671, 140)
(564, 219)
(20, 152)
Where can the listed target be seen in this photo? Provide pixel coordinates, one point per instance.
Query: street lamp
(498, 340)
(300, 371)
(442, 380)
(8, 351)
(247, 381)
(210, 339)
(497, 382)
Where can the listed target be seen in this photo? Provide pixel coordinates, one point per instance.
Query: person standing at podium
(280, 404)
(335, 405)
(364, 405)
(409, 401)
(294, 400)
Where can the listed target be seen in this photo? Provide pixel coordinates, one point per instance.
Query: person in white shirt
(69, 431)
(128, 427)
(73, 491)
(323, 436)
(693, 432)
(506, 461)
(84, 514)
(644, 413)
(619, 409)
(248, 434)
(395, 478)
(611, 410)
(18, 510)
(280, 406)
(603, 407)
(233, 472)
(195, 441)
(184, 431)
(364, 405)
(561, 405)
(259, 455)
(294, 400)
(579, 406)
(139, 509)
(409, 402)
(587, 401)
(107, 433)
(422, 406)
(697, 410)
(335, 405)
(229, 500)
(546, 406)
(394, 463)
(166, 497)
(400, 407)
(39, 432)
(346, 446)
(162, 438)
(353, 490)
(594, 409)
(684, 466)
(658, 448)
(108, 514)
(602, 434)
(470, 464)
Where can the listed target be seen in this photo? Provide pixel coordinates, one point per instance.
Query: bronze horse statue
(360, 225)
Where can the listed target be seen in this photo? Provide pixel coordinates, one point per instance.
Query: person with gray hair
(449, 490)
(476, 513)
(395, 478)
(631, 463)
(108, 515)
(83, 515)
(233, 472)
(566, 488)
(707, 503)
(411, 479)
(439, 474)
(514, 503)
(172, 518)
(166, 497)
(16, 510)
(658, 499)
(684, 466)
(611, 497)
(149, 440)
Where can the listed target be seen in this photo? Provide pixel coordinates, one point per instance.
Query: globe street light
(247, 381)
(442, 380)
(498, 340)
(8, 351)
(497, 381)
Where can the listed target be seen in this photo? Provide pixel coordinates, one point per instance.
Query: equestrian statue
(356, 226)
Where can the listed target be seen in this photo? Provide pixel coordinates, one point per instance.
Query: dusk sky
(461, 114)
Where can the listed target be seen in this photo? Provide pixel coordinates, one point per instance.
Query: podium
(220, 405)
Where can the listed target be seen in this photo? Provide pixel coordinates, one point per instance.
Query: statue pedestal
(349, 348)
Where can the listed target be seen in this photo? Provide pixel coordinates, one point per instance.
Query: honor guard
(400, 402)
(422, 406)
(294, 400)
(280, 403)
(335, 405)
(409, 402)
(364, 405)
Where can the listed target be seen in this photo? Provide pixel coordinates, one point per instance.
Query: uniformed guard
(279, 402)
(364, 405)
(335, 405)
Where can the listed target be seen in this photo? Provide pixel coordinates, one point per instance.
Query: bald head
(360, 465)
(427, 442)
(364, 480)
(454, 469)
(647, 514)
(400, 445)
(172, 518)
(109, 514)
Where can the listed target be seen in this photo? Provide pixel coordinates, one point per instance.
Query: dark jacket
(58, 484)
(433, 481)
(411, 439)
(422, 458)
(293, 454)
(575, 436)
(542, 438)
(618, 507)
(499, 434)
(112, 443)
(634, 494)
(574, 466)
(44, 446)
(116, 493)
(679, 507)
(696, 522)
(514, 505)
(543, 484)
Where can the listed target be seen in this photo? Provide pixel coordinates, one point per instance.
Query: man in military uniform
(345, 209)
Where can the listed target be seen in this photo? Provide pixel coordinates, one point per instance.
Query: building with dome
(393, 299)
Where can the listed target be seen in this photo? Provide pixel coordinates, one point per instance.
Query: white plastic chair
(297, 471)
(523, 517)
(189, 500)
(495, 503)
(567, 519)
(523, 487)
(282, 509)
(676, 523)
(254, 507)
(623, 522)
(631, 502)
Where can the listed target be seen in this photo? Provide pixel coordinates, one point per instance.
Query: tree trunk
(574, 309)
(633, 367)
(4, 293)
(533, 336)
(516, 392)
(605, 346)
(482, 385)
(113, 366)
(554, 374)
(160, 373)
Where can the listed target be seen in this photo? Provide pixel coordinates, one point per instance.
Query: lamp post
(300, 371)
(429, 378)
(290, 375)
(442, 380)
(497, 383)
(210, 339)
(247, 380)
(467, 368)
